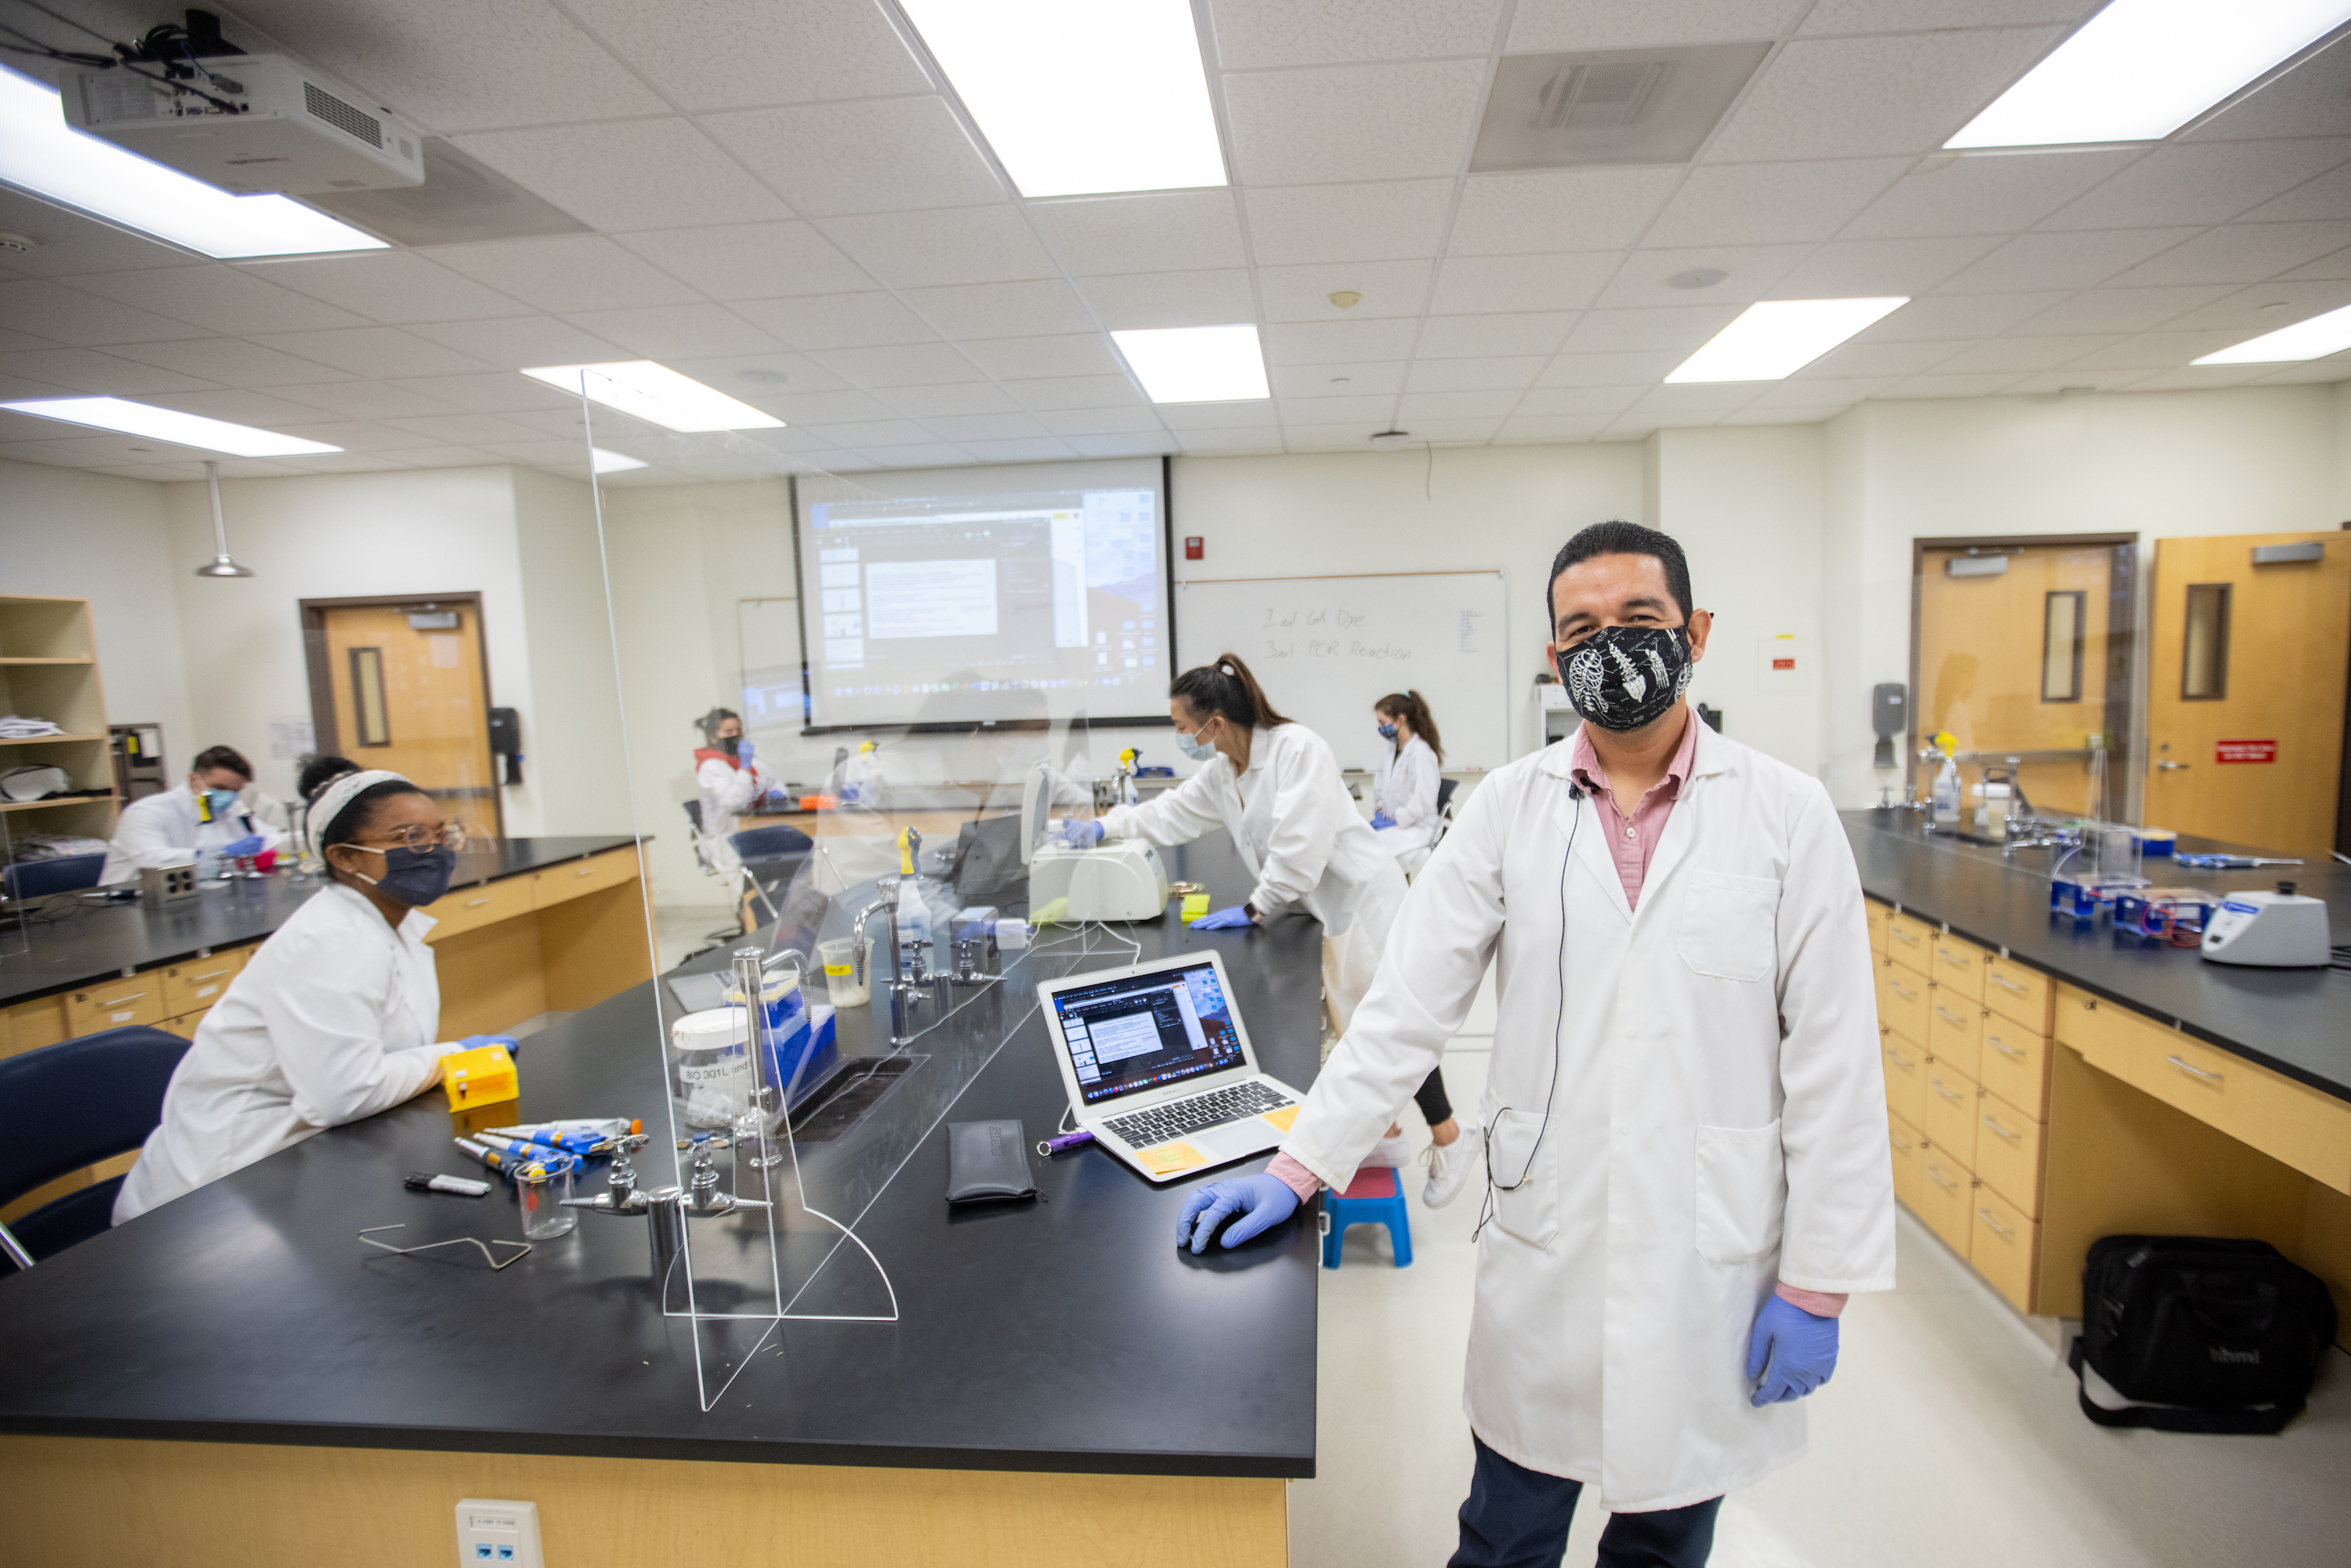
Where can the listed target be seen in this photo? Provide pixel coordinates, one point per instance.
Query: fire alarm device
(1194, 546)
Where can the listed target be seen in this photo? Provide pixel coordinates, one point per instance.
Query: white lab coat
(1717, 1113)
(728, 790)
(334, 1018)
(154, 827)
(1403, 785)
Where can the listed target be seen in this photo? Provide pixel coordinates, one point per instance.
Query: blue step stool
(1375, 1197)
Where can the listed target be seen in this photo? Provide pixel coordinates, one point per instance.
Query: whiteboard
(1326, 648)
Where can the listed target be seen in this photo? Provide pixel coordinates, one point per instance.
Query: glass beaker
(541, 1190)
(848, 970)
(710, 1066)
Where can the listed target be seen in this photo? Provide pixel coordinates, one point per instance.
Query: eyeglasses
(418, 836)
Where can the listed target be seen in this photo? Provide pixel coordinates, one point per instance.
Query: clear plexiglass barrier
(842, 908)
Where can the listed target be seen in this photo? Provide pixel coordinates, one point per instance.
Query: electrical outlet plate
(491, 1530)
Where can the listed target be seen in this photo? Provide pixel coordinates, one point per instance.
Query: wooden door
(2245, 688)
(407, 693)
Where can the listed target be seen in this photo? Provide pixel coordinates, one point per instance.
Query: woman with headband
(336, 1017)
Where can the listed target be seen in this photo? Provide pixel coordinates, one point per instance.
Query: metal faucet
(908, 976)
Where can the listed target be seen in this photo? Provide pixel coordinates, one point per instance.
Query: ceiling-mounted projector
(250, 123)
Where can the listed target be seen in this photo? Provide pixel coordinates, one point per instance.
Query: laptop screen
(1146, 1031)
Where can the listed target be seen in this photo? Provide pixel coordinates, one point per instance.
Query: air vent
(1610, 105)
(343, 117)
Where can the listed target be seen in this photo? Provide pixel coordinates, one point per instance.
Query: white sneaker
(1450, 1166)
(1389, 1152)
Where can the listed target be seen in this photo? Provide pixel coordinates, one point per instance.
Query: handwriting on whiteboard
(1326, 640)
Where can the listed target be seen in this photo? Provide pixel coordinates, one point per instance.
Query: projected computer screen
(944, 596)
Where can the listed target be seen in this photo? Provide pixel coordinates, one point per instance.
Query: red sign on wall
(2244, 751)
(1784, 663)
(1194, 546)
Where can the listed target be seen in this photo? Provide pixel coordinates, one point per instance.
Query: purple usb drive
(1067, 1141)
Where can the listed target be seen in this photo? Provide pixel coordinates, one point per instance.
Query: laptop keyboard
(1165, 1123)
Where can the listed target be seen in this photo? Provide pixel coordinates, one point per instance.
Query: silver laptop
(1159, 1067)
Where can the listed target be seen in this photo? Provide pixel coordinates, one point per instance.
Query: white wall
(565, 691)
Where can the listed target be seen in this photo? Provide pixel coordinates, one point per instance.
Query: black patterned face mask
(1623, 677)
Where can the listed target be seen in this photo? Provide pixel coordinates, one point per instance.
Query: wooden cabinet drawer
(29, 1025)
(1875, 913)
(1907, 1145)
(185, 1026)
(1902, 1001)
(2181, 1072)
(1909, 942)
(2002, 1244)
(1954, 1030)
(1945, 1198)
(2014, 1065)
(1958, 966)
(2089, 1026)
(1950, 1122)
(118, 1003)
(2008, 1152)
(196, 984)
(574, 878)
(2285, 1119)
(1905, 1077)
(485, 903)
(2018, 993)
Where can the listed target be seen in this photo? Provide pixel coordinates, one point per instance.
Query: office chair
(72, 1105)
(770, 857)
(38, 879)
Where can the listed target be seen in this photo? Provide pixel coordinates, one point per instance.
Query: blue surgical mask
(413, 876)
(1387, 732)
(1195, 746)
(220, 801)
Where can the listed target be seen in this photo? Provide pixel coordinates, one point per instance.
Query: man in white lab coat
(213, 813)
(1685, 1123)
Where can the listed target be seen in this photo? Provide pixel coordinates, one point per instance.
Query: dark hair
(1413, 708)
(318, 770)
(1227, 689)
(227, 757)
(359, 812)
(708, 723)
(1621, 538)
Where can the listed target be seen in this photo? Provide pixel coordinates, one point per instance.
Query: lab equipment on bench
(2280, 930)
(541, 1189)
(482, 1076)
(710, 1066)
(1117, 879)
(848, 970)
(1157, 1066)
(666, 1210)
(458, 1187)
(2231, 862)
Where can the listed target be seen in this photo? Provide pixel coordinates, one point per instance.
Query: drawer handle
(1900, 1061)
(1936, 1085)
(1950, 1017)
(1947, 956)
(2193, 1072)
(2003, 1131)
(585, 871)
(1898, 1144)
(1903, 989)
(1935, 1171)
(1897, 935)
(117, 1001)
(1985, 1215)
(2003, 1047)
(2012, 985)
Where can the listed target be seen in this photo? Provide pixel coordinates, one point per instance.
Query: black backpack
(2208, 1334)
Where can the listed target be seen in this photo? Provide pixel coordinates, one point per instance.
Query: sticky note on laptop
(1168, 1158)
(1283, 1117)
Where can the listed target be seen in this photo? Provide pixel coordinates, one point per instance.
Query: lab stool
(1375, 1197)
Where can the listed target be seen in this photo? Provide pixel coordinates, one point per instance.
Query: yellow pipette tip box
(482, 1076)
(1196, 905)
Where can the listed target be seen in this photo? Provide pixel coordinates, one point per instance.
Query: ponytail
(1227, 689)
(1411, 707)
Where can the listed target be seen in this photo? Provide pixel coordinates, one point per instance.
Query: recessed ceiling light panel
(169, 425)
(1779, 337)
(613, 462)
(1196, 364)
(656, 393)
(2312, 340)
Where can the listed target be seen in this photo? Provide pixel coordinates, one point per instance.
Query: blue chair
(73, 1104)
(771, 857)
(38, 879)
(1375, 1197)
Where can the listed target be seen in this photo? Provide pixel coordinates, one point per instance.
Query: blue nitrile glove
(476, 1043)
(248, 845)
(1223, 919)
(1080, 832)
(1265, 1200)
(1382, 820)
(746, 754)
(778, 798)
(1799, 1349)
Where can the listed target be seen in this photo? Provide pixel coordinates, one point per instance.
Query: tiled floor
(1949, 1437)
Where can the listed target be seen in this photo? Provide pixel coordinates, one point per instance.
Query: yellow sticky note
(1283, 1117)
(1168, 1158)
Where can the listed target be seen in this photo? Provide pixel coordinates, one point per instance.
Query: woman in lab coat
(1273, 785)
(337, 1016)
(731, 778)
(1405, 780)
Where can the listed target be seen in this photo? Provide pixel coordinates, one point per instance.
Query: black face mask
(1623, 677)
(732, 745)
(413, 876)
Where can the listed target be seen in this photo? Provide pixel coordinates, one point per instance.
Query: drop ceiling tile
(1254, 35)
(1180, 417)
(2243, 253)
(375, 352)
(1384, 377)
(1880, 359)
(1609, 370)
(1303, 293)
(1465, 337)
(394, 288)
(344, 463)
(1377, 221)
(73, 245)
(1714, 398)
(1875, 268)
(1981, 385)
(923, 454)
(988, 426)
(1150, 444)
(2197, 378)
(2333, 369)
(676, 331)
(1539, 26)
(1544, 430)
(1414, 410)
(868, 433)
(1028, 358)
(15, 388)
(364, 399)
(2199, 182)
(2159, 350)
(756, 378)
(965, 244)
(1339, 343)
(1047, 450)
(1752, 271)
(2118, 309)
(725, 54)
(1451, 431)
(444, 457)
(1055, 392)
(1805, 391)
(1772, 204)
(1027, 309)
(904, 365)
(84, 320)
(239, 406)
(219, 298)
(2072, 377)
(1905, 93)
(11, 341)
(1479, 285)
(957, 398)
(1983, 192)
(463, 429)
(630, 173)
(1677, 330)
(565, 273)
(2327, 197)
(1586, 400)
(1157, 231)
(2306, 101)
(2020, 354)
(1370, 410)
(1810, 414)
(91, 370)
(359, 436)
(2264, 307)
(1560, 210)
(501, 392)
(2081, 261)
(1172, 299)
(1349, 435)
(1959, 318)
(884, 154)
(1503, 373)
(1831, 16)
(751, 261)
(1354, 122)
(513, 342)
(1206, 442)
(830, 408)
(1102, 422)
(838, 321)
